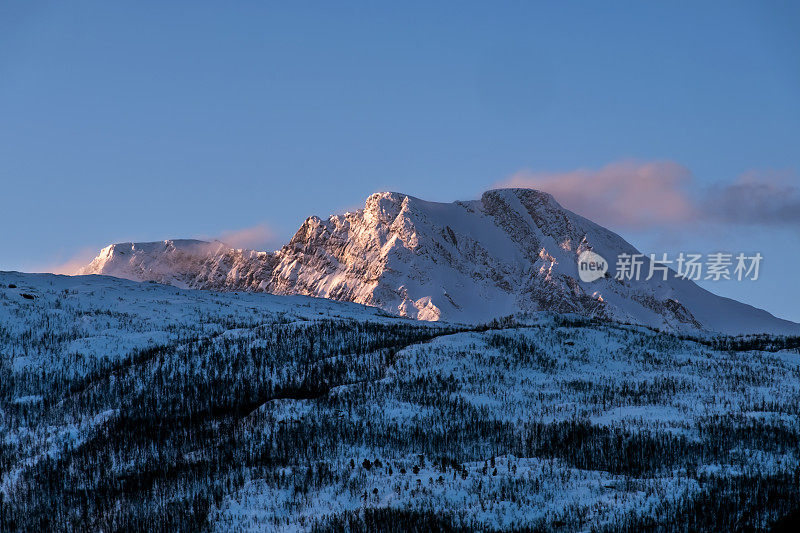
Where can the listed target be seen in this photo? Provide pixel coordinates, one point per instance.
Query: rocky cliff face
(512, 251)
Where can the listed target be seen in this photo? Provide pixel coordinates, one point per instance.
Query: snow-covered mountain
(513, 251)
(185, 263)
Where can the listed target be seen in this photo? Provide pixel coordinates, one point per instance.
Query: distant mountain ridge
(512, 251)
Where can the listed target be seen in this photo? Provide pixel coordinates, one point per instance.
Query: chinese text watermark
(712, 267)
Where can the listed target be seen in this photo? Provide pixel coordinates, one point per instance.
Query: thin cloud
(258, 237)
(755, 199)
(661, 194)
(622, 194)
(71, 266)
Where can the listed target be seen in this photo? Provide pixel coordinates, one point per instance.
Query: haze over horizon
(676, 129)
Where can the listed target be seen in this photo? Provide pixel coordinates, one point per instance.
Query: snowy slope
(512, 251)
(110, 317)
(616, 379)
(142, 407)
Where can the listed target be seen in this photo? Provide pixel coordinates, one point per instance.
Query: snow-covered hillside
(142, 407)
(512, 251)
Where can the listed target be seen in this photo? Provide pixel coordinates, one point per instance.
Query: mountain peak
(384, 206)
(513, 251)
(523, 193)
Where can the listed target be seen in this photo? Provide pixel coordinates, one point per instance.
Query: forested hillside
(127, 406)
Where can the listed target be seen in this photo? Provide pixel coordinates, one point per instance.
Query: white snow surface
(619, 377)
(512, 251)
(605, 374)
(112, 317)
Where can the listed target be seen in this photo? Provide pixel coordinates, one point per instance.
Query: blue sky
(152, 120)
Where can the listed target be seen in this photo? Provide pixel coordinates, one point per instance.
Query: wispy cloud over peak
(661, 194)
(258, 237)
(71, 265)
(621, 194)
